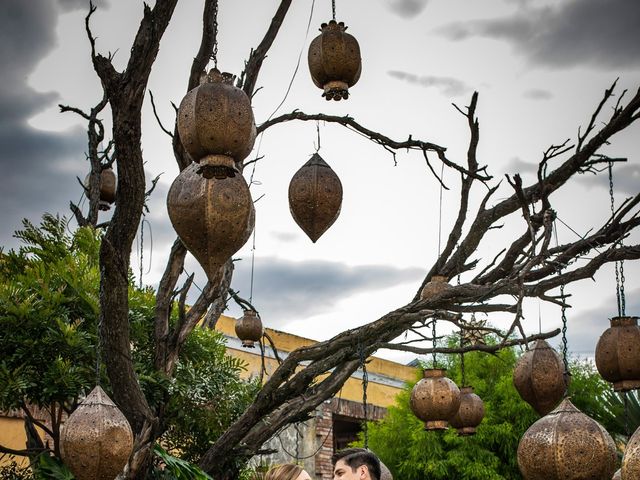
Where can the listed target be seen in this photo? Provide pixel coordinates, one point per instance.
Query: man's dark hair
(356, 457)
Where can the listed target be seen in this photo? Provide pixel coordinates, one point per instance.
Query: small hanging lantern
(96, 440)
(566, 445)
(215, 118)
(211, 210)
(334, 60)
(631, 460)
(540, 377)
(470, 413)
(435, 286)
(249, 328)
(618, 354)
(315, 197)
(108, 184)
(435, 399)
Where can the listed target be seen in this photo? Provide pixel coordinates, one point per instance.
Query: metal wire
(365, 383)
(214, 53)
(564, 331)
(462, 370)
(619, 266)
(333, 9)
(433, 341)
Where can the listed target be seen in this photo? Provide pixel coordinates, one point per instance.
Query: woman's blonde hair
(287, 471)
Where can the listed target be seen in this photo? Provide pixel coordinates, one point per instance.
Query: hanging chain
(619, 266)
(365, 383)
(214, 53)
(462, 370)
(333, 9)
(433, 341)
(626, 413)
(318, 131)
(564, 331)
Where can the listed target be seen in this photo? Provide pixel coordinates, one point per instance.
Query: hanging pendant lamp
(96, 440)
(540, 377)
(618, 354)
(566, 444)
(435, 399)
(631, 460)
(249, 328)
(469, 414)
(334, 61)
(315, 197)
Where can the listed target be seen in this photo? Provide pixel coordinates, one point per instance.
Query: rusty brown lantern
(334, 60)
(108, 184)
(470, 413)
(631, 460)
(540, 377)
(435, 286)
(618, 354)
(216, 118)
(213, 216)
(315, 197)
(96, 440)
(249, 328)
(435, 399)
(566, 445)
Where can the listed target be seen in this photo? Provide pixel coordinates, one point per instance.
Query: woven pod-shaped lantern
(315, 197)
(618, 354)
(631, 460)
(213, 216)
(435, 399)
(334, 60)
(540, 377)
(249, 328)
(96, 440)
(470, 413)
(567, 445)
(435, 286)
(108, 184)
(215, 118)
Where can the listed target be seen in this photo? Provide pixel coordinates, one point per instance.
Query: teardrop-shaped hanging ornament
(96, 440)
(540, 377)
(334, 60)
(211, 210)
(108, 185)
(249, 328)
(315, 197)
(470, 413)
(435, 399)
(631, 460)
(618, 354)
(566, 445)
(215, 118)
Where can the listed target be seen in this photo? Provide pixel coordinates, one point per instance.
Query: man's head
(355, 464)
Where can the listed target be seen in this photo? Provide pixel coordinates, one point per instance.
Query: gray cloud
(626, 179)
(517, 165)
(407, 8)
(68, 5)
(448, 85)
(538, 94)
(601, 33)
(284, 237)
(286, 290)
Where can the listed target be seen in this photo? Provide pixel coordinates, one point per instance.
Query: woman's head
(287, 471)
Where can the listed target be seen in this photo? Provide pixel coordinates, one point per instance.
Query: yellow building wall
(13, 436)
(377, 393)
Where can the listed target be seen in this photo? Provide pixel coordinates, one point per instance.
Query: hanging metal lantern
(631, 460)
(249, 328)
(618, 354)
(96, 440)
(470, 413)
(566, 445)
(435, 286)
(215, 118)
(108, 184)
(315, 197)
(435, 399)
(213, 216)
(617, 475)
(540, 377)
(334, 60)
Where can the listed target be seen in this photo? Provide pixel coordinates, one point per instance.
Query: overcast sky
(540, 68)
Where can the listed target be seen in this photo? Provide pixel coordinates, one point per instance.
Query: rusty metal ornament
(435, 399)
(215, 118)
(108, 185)
(566, 445)
(315, 197)
(618, 354)
(249, 328)
(470, 413)
(96, 440)
(435, 286)
(212, 215)
(540, 377)
(334, 61)
(631, 460)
